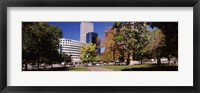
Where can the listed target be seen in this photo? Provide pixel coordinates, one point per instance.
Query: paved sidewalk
(98, 69)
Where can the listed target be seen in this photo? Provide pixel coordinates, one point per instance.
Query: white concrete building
(85, 27)
(71, 47)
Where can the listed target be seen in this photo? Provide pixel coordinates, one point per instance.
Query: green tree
(156, 44)
(98, 58)
(40, 42)
(110, 53)
(67, 58)
(131, 38)
(88, 53)
(170, 31)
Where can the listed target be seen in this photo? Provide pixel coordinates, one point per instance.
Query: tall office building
(85, 27)
(92, 37)
(71, 47)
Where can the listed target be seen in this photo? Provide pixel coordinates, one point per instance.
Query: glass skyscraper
(92, 37)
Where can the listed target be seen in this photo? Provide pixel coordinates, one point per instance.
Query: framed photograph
(99, 46)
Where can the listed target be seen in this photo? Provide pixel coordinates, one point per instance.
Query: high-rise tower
(92, 37)
(85, 27)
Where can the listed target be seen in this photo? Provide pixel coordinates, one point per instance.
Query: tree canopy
(134, 40)
(110, 52)
(40, 42)
(131, 38)
(170, 30)
(88, 53)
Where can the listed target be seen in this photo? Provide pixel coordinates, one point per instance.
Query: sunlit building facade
(71, 47)
(85, 27)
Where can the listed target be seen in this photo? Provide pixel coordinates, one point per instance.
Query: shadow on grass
(51, 69)
(153, 68)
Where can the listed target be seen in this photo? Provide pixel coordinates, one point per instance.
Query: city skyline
(74, 30)
(71, 30)
(72, 47)
(77, 46)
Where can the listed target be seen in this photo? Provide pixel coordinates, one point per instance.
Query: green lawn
(79, 69)
(119, 68)
(139, 67)
(142, 67)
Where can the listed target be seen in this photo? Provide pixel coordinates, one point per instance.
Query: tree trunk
(26, 66)
(141, 59)
(158, 61)
(51, 65)
(169, 60)
(114, 55)
(44, 65)
(38, 66)
(128, 60)
(32, 66)
(25, 63)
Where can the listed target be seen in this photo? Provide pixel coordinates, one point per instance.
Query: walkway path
(98, 69)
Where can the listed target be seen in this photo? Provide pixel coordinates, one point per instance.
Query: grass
(64, 69)
(119, 68)
(139, 67)
(79, 69)
(50, 69)
(142, 67)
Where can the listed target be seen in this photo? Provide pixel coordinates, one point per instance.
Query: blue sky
(151, 29)
(71, 30)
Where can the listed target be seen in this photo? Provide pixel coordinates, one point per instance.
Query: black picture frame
(100, 3)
